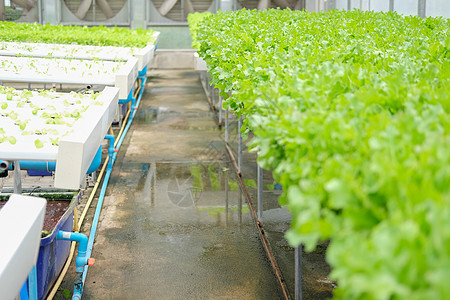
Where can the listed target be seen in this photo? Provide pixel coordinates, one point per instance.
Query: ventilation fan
(265, 4)
(177, 10)
(95, 10)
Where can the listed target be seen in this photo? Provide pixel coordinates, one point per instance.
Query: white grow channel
(48, 126)
(70, 71)
(86, 52)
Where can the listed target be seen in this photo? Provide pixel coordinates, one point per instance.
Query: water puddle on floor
(187, 232)
(175, 224)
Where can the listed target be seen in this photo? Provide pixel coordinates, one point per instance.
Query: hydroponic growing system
(351, 113)
(61, 132)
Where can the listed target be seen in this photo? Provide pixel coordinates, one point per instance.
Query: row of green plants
(82, 35)
(351, 112)
(44, 116)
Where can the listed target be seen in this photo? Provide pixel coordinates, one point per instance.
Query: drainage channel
(175, 224)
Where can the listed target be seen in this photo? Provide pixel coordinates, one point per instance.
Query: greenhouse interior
(225, 149)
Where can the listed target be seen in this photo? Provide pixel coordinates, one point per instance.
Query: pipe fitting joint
(82, 239)
(4, 165)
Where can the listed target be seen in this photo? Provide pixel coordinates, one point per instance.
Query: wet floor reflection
(175, 224)
(209, 188)
(183, 231)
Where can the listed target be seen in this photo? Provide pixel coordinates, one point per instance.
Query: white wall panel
(341, 4)
(406, 7)
(438, 8)
(379, 5)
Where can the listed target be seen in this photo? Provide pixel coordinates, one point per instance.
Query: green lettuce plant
(350, 111)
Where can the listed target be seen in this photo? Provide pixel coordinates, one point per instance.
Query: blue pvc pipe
(111, 149)
(24, 291)
(111, 140)
(50, 166)
(133, 113)
(129, 98)
(32, 284)
(142, 73)
(78, 288)
(82, 258)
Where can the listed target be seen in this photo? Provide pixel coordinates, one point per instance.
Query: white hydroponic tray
(87, 52)
(64, 127)
(70, 71)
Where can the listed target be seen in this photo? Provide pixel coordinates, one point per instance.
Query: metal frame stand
(17, 178)
(240, 146)
(259, 175)
(213, 97)
(227, 137)
(298, 272)
(220, 110)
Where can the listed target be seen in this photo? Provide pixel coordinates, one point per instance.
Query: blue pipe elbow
(111, 150)
(111, 140)
(133, 103)
(143, 72)
(82, 240)
(129, 98)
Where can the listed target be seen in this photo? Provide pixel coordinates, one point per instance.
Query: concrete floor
(165, 230)
(174, 224)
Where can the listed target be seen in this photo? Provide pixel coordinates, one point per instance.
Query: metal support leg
(298, 273)
(226, 126)
(240, 208)
(17, 178)
(259, 172)
(213, 97)
(210, 87)
(226, 199)
(422, 9)
(240, 146)
(220, 110)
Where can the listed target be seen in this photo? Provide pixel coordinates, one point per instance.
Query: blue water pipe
(82, 260)
(129, 98)
(85, 245)
(50, 166)
(142, 73)
(29, 288)
(78, 288)
(111, 149)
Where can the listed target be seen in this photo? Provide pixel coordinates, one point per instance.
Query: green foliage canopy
(351, 112)
(82, 35)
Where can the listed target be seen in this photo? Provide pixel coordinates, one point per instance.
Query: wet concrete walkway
(174, 225)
